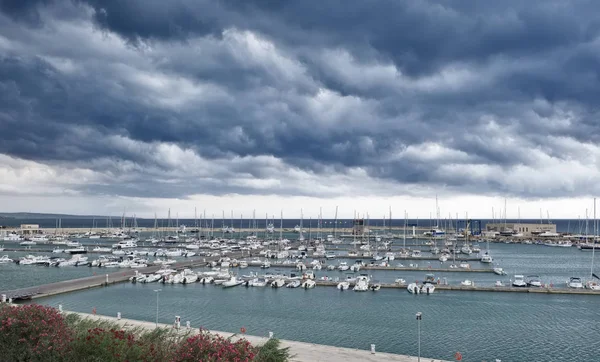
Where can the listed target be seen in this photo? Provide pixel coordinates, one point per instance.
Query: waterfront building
(520, 229)
(30, 229)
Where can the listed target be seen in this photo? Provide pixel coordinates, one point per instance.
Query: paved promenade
(303, 352)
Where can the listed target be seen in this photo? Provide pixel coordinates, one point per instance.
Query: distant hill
(35, 215)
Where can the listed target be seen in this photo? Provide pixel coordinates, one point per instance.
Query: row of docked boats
(224, 278)
(80, 260)
(521, 281)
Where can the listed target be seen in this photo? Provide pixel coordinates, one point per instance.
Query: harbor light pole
(157, 291)
(419, 314)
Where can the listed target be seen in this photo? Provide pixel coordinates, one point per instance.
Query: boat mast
(281, 226)
(594, 241)
(390, 223)
(335, 224)
(354, 230)
(404, 237)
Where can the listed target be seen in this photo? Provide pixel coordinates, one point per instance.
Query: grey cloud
(408, 93)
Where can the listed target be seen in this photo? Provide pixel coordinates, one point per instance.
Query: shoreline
(301, 351)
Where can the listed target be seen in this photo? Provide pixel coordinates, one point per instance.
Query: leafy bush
(208, 347)
(271, 352)
(37, 333)
(33, 333)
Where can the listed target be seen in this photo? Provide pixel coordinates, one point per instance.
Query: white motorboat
(466, 250)
(77, 250)
(100, 249)
(413, 288)
(499, 271)
(12, 236)
(330, 267)
(443, 258)
(400, 281)
(355, 268)
(486, 258)
(73, 244)
(58, 251)
(73, 261)
(233, 282)
(499, 283)
(343, 266)
(519, 282)
(265, 264)
(308, 284)
(466, 283)
(190, 278)
(428, 288)
(151, 278)
(465, 265)
(293, 284)
(28, 243)
(243, 264)
(5, 259)
(125, 244)
(592, 285)
(257, 282)
(416, 254)
(533, 281)
(207, 280)
(278, 283)
(141, 278)
(362, 284)
(343, 286)
(375, 286)
(575, 282)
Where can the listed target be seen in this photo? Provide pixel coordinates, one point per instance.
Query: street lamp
(419, 315)
(157, 291)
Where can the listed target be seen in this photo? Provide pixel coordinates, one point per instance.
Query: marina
(273, 265)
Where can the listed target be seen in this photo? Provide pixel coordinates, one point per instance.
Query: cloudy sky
(143, 105)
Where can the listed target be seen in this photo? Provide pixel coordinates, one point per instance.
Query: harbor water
(483, 326)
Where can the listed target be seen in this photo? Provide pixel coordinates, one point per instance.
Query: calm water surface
(481, 325)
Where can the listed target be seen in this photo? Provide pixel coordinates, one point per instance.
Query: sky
(146, 105)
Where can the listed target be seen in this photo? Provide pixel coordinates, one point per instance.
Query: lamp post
(157, 291)
(419, 315)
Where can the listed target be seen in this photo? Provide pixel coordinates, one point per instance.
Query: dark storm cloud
(408, 92)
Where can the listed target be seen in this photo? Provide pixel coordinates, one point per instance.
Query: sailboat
(404, 253)
(486, 257)
(593, 284)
